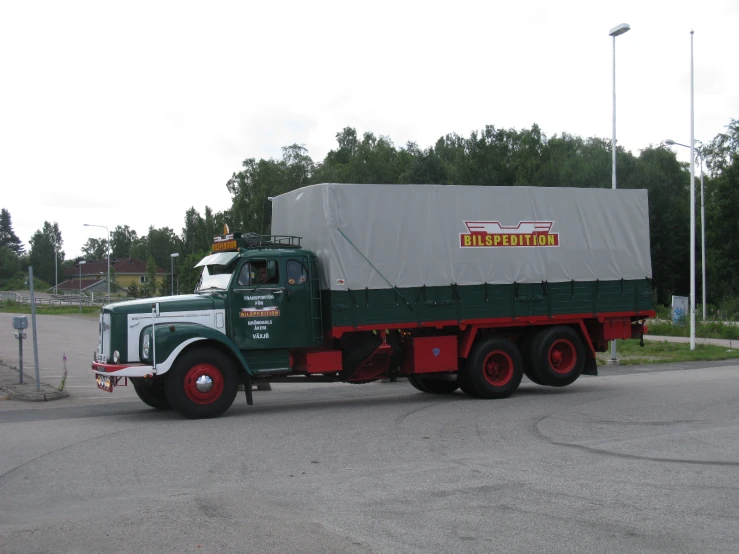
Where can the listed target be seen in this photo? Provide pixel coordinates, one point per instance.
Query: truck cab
(257, 302)
(270, 291)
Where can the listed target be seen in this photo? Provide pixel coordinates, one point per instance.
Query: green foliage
(95, 249)
(662, 352)
(490, 156)
(121, 241)
(703, 330)
(45, 244)
(133, 290)
(10, 263)
(164, 287)
(19, 282)
(8, 238)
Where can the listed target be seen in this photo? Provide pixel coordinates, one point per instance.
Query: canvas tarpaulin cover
(383, 236)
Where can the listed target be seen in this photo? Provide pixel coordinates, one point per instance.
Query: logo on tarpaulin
(491, 234)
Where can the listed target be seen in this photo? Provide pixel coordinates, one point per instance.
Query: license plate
(104, 383)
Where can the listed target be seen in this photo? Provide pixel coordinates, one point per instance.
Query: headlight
(147, 343)
(116, 356)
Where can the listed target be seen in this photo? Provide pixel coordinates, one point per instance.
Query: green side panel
(267, 361)
(454, 303)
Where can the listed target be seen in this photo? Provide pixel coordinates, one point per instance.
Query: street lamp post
(108, 248)
(171, 269)
(616, 31)
(692, 200)
(703, 222)
(81, 263)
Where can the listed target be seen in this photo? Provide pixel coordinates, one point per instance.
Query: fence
(60, 299)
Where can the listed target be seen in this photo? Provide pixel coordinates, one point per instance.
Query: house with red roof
(92, 276)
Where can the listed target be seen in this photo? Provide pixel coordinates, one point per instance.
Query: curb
(46, 393)
(27, 392)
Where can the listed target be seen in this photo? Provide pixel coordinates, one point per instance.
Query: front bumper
(123, 370)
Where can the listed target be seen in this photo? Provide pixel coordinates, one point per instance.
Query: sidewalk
(11, 389)
(718, 342)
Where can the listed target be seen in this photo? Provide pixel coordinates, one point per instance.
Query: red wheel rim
(498, 368)
(210, 387)
(562, 356)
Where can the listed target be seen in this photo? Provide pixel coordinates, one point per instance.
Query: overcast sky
(129, 113)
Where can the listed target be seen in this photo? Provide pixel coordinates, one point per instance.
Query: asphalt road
(641, 459)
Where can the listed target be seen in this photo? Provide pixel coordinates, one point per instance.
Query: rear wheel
(151, 394)
(494, 368)
(558, 356)
(431, 385)
(201, 384)
(526, 352)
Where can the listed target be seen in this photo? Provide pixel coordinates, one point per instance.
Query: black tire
(152, 394)
(181, 386)
(432, 386)
(558, 356)
(494, 368)
(463, 380)
(528, 369)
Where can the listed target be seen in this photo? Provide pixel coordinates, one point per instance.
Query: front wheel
(151, 394)
(201, 384)
(431, 385)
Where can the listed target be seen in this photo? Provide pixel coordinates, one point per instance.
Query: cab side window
(259, 272)
(296, 273)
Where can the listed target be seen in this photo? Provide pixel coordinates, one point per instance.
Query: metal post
(703, 240)
(692, 201)
(56, 271)
(614, 354)
(171, 270)
(108, 263)
(33, 325)
(616, 31)
(20, 353)
(613, 140)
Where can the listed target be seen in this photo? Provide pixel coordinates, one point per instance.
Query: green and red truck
(452, 287)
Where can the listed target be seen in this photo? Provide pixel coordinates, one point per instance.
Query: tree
(9, 263)
(44, 243)
(8, 237)
(133, 290)
(149, 288)
(95, 249)
(253, 185)
(121, 240)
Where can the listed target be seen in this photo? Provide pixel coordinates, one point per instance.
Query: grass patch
(20, 308)
(704, 330)
(630, 353)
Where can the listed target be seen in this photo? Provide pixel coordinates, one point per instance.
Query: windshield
(215, 276)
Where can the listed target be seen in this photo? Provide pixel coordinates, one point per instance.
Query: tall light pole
(81, 263)
(171, 269)
(703, 222)
(692, 201)
(108, 245)
(616, 31)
